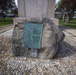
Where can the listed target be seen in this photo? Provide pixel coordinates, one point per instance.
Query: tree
(15, 9)
(67, 7)
(6, 5)
(15, 12)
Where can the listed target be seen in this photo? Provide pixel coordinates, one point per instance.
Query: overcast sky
(17, 4)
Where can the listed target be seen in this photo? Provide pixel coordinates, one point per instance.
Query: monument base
(38, 42)
(19, 19)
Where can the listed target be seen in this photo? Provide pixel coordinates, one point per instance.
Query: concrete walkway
(68, 31)
(71, 31)
(7, 33)
(6, 28)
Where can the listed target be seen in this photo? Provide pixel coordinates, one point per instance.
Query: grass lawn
(6, 22)
(71, 24)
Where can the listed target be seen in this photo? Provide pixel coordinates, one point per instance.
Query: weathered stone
(36, 8)
(51, 38)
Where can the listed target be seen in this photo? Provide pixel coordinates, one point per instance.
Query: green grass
(6, 22)
(71, 24)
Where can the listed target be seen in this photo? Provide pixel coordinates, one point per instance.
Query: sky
(17, 4)
(57, 1)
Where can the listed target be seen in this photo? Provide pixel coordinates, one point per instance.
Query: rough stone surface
(51, 39)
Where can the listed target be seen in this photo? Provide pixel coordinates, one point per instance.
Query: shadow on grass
(65, 50)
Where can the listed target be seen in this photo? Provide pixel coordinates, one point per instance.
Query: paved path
(68, 30)
(71, 31)
(5, 28)
(7, 33)
(67, 34)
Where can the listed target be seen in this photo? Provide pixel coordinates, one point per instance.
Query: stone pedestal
(36, 8)
(19, 19)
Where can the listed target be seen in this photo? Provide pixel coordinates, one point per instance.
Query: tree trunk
(63, 16)
(3, 18)
(3, 15)
(72, 14)
(69, 17)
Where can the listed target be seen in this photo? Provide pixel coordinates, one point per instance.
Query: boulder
(52, 37)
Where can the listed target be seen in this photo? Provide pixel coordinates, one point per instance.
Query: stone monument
(37, 8)
(36, 33)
